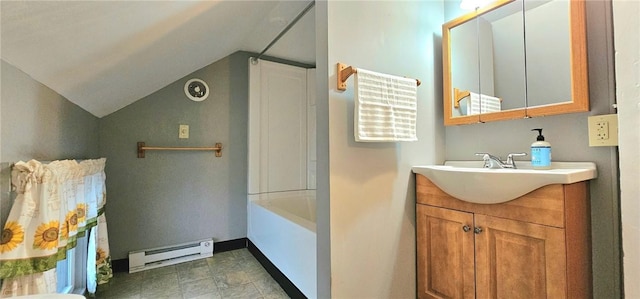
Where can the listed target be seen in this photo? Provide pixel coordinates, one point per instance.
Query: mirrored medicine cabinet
(515, 59)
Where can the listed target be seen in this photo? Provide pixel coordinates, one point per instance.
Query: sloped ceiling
(105, 55)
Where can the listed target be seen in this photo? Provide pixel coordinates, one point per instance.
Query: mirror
(502, 63)
(515, 59)
(464, 64)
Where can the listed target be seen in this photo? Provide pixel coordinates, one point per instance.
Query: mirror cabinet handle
(477, 230)
(466, 228)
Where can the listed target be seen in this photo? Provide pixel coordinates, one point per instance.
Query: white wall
(371, 187)
(627, 45)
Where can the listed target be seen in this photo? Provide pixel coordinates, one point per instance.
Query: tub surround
(297, 206)
(278, 151)
(281, 211)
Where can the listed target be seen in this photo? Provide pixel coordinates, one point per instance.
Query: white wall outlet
(603, 130)
(183, 132)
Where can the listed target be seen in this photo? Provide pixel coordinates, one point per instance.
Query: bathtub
(283, 226)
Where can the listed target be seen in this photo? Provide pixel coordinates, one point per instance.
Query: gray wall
(509, 71)
(465, 71)
(366, 191)
(485, 54)
(548, 79)
(175, 197)
(569, 140)
(548, 68)
(323, 205)
(38, 123)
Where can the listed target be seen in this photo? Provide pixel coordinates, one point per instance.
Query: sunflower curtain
(56, 203)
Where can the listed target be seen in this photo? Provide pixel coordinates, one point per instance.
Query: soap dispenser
(540, 152)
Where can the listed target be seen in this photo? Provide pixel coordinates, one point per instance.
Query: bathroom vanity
(535, 246)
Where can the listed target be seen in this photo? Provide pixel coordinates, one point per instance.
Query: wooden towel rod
(142, 148)
(459, 95)
(344, 72)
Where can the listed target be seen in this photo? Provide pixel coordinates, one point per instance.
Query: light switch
(184, 132)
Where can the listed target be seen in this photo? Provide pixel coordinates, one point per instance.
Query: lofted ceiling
(105, 55)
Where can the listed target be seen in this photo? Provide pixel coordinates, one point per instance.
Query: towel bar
(142, 148)
(459, 95)
(344, 72)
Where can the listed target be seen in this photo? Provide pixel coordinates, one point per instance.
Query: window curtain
(56, 203)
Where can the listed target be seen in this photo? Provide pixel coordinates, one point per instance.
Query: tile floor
(230, 274)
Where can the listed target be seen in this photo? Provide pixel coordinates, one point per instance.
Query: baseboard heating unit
(169, 255)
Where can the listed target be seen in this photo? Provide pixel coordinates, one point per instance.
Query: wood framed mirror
(515, 59)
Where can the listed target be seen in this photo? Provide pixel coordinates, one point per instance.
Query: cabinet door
(519, 260)
(445, 253)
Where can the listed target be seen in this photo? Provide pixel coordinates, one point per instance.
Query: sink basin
(469, 181)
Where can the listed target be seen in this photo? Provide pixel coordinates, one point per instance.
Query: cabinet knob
(466, 228)
(477, 230)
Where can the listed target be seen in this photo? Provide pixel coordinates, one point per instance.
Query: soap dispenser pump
(540, 152)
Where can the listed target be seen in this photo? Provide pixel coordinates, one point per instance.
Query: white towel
(385, 107)
(483, 104)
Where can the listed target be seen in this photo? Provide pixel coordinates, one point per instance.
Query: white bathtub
(283, 226)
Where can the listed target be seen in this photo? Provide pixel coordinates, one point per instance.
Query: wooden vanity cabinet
(536, 246)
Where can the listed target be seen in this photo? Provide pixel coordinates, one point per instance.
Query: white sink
(469, 181)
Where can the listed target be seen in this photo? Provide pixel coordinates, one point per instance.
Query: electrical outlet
(183, 133)
(603, 130)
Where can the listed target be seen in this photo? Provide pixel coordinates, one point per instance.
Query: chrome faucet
(491, 161)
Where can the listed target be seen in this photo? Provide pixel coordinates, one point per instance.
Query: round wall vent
(196, 90)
